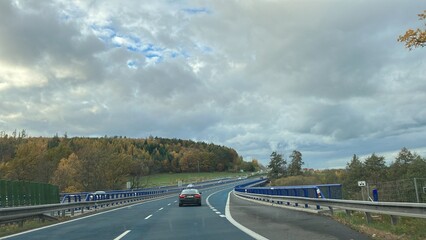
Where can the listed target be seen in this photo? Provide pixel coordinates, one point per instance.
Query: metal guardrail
(18, 213)
(394, 209)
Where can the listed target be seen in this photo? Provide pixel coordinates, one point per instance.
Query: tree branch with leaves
(415, 38)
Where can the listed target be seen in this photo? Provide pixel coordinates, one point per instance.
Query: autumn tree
(116, 170)
(415, 38)
(67, 175)
(28, 162)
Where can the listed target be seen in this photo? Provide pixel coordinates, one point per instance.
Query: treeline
(88, 164)
(373, 169)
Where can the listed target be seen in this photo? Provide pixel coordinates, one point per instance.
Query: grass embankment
(381, 227)
(170, 179)
(9, 229)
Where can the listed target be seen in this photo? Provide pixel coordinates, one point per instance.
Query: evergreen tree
(295, 167)
(277, 166)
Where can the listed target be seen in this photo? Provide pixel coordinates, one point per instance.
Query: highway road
(164, 219)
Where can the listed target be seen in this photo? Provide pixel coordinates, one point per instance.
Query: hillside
(87, 164)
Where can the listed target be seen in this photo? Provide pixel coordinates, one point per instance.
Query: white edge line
(238, 225)
(122, 235)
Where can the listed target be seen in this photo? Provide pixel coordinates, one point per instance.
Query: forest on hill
(88, 164)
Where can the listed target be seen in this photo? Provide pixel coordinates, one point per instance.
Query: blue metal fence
(330, 191)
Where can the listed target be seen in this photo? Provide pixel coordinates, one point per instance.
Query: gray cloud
(325, 77)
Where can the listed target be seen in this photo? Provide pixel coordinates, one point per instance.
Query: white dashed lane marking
(122, 235)
(213, 208)
(148, 217)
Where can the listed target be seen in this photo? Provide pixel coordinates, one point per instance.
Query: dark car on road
(190, 196)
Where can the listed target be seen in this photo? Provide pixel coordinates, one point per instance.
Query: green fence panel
(31, 194)
(56, 198)
(21, 193)
(15, 193)
(24, 193)
(35, 194)
(3, 193)
(10, 196)
(42, 193)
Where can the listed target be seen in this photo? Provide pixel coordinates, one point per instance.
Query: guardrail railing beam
(394, 209)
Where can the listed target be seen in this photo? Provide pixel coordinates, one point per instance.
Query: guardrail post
(348, 212)
(72, 211)
(394, 219)
(368, 217)
(63, 213)
(331, 210)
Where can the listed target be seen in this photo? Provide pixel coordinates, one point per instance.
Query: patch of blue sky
(70, 13)
(133, 64)
(103, 33)
(193, 11)
(174, 54)
(153, 53)
(64, 17)
(206, 49)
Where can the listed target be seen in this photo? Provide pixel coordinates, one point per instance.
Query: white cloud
(12, 76)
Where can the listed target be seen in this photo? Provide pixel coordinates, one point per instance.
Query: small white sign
(361, 184)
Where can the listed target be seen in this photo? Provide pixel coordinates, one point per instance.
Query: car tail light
(182, 196)
(197, 196)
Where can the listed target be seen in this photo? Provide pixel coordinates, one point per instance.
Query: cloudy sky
(325, 77)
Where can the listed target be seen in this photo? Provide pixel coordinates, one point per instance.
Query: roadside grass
(170, 179)
(381, 227)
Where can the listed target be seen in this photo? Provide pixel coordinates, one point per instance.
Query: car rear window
(190, 191)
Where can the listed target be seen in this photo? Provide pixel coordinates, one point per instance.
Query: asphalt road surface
(280, 223)
(164, 219)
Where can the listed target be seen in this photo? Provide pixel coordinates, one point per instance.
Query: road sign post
(362, 184)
